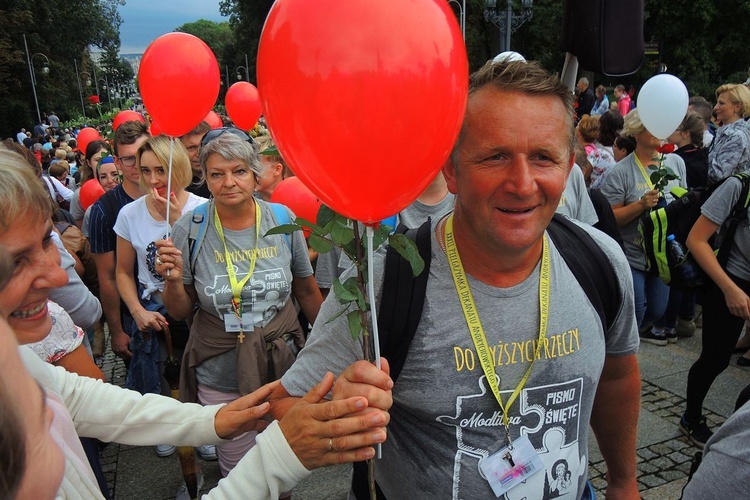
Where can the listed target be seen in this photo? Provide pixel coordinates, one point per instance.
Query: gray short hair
(232, 147)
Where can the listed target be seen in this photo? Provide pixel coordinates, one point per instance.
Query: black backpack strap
(590, 265)
(402, 299)
(401, 303)
(739, 213)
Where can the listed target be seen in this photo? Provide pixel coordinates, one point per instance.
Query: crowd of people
(174, 258)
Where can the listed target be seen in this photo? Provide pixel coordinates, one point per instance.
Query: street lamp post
(239, 76)
(96, 82)
(247, 72)
(80, 91)
(106, 89)
(506, 21)
(461, 17)
(32, 73)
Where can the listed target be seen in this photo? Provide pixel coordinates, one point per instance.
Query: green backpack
(678, 219)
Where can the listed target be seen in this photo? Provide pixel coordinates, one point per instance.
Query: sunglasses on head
(213, 134)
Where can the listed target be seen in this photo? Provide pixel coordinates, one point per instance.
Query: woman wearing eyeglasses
(245, 329)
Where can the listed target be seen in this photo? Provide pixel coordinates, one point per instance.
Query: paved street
(664, 455)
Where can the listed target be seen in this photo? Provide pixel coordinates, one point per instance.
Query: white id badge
(232, 323)
(506, 468)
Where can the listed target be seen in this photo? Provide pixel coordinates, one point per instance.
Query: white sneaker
(207, 452)
(165, 450)
(182, 493)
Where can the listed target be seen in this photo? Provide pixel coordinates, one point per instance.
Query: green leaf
(342, 311)
(319, 244)
(408, 250)
(284, 229)
(655, 178)
(355, 323)
(344, 291)
(380, 235)
(341, 234)
(325, 215)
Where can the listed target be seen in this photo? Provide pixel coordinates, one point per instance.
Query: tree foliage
(53, 28)
(218, 36)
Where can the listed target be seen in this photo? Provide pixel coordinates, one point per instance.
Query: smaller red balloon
(85, 136)
(90, 192)
(213, 120)
(298, 197)
(243, 105)
(127, 116)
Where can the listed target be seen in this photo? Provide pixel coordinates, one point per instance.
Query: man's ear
(449, 172)
(277, 169)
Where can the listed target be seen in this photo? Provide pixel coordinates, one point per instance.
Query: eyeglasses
(126, 161)
(213, 134)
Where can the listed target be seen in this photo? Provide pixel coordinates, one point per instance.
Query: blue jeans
(680, 304)
(651, 296)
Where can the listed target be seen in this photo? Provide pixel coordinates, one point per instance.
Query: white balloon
(508, 56)
(662, 104)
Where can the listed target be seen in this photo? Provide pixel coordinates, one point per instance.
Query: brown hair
(588, 127)
(525, 77)
(129, 133)
(693, 123)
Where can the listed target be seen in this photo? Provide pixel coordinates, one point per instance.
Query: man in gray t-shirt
(448, 436)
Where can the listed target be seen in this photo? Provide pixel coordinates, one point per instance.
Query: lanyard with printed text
(233, 283)
(475, 326)
(643, 171)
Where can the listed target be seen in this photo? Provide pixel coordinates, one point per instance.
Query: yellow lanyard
(643, 171)
(475, 326)
(233, 283)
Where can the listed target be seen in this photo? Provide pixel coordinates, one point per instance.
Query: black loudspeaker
(605, 35)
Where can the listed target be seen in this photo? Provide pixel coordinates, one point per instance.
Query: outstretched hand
(244, 414)
(332, 432)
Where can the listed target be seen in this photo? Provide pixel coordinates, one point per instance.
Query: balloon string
(169, 183)
(169, 187)
(371, 300)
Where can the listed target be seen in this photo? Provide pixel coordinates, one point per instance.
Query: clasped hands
(323, 432)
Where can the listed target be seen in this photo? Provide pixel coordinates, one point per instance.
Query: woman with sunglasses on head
(238, 276)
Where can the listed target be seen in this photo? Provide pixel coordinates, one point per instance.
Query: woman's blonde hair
(22, 195)
(738, 94)
(182, 173)
(633, 124)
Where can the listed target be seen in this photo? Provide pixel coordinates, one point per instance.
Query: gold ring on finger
(330, 444)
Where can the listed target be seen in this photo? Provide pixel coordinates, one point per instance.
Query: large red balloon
(85, 136)
(179, 81)
(127, 116)
(341, 82)
(295, 195)
(213, 120)
(154, 128)
(243, 105)
(91, 190)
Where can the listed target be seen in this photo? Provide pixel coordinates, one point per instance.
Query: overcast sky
(145, 20)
